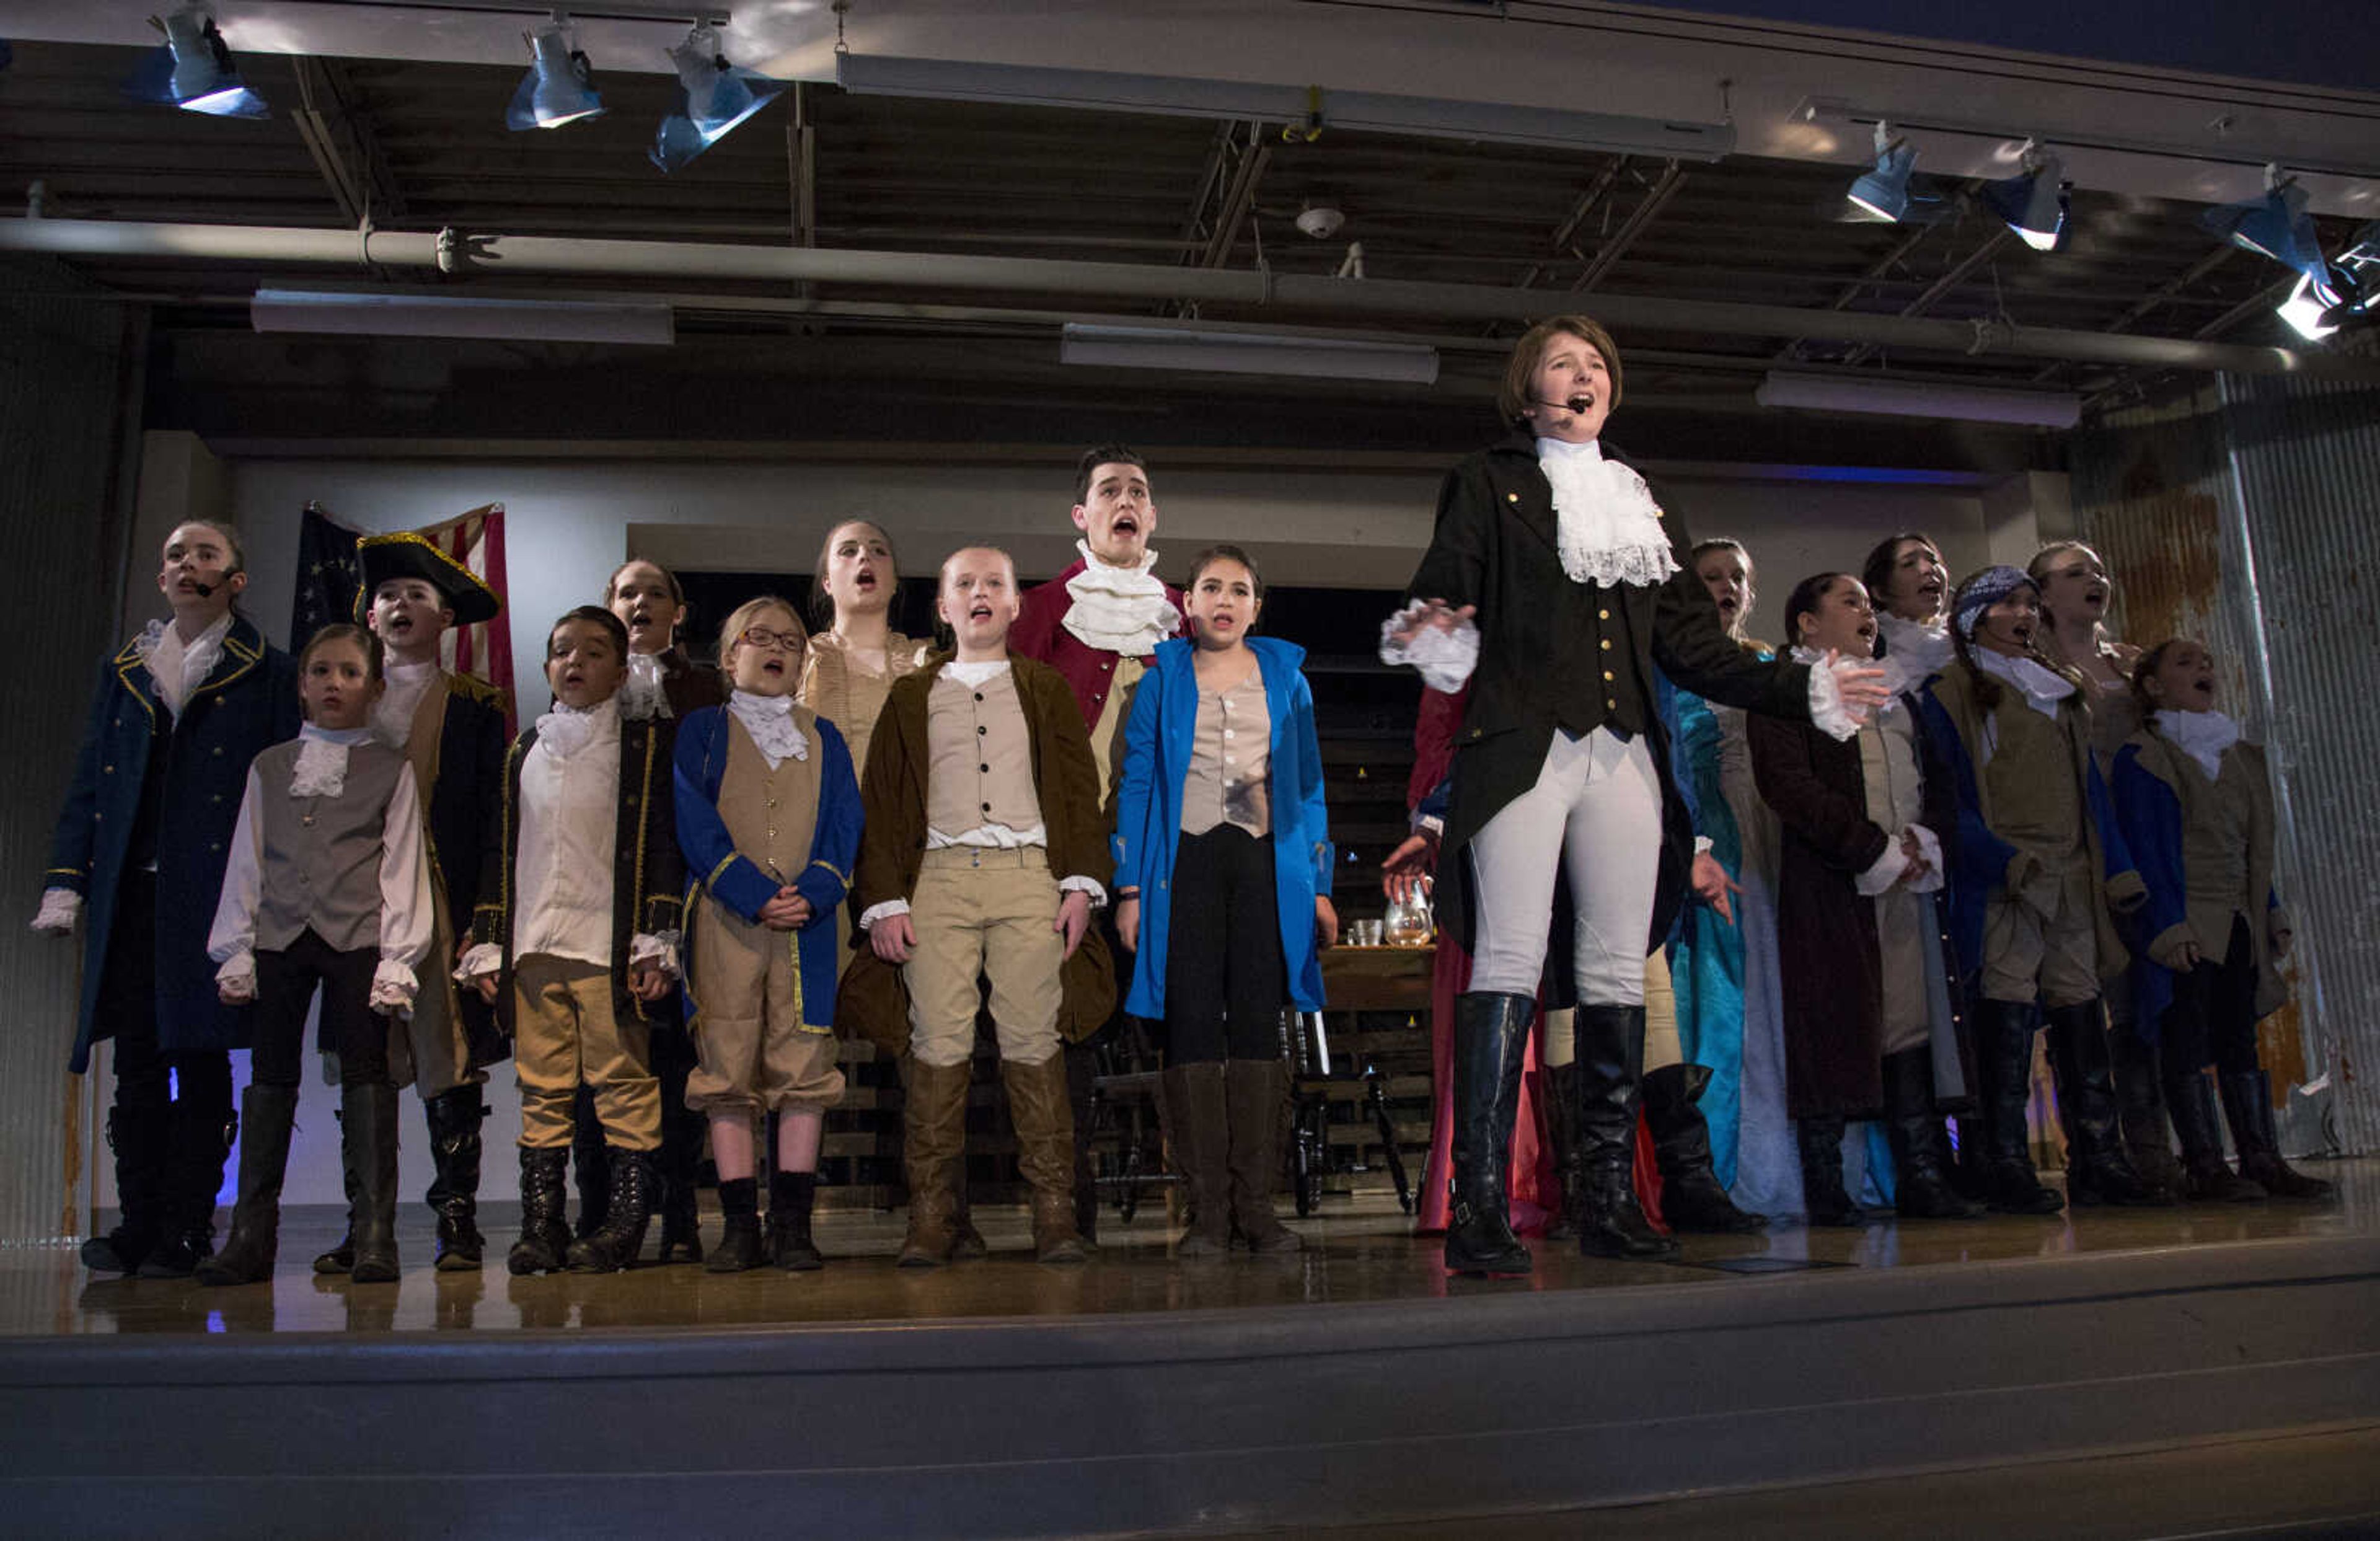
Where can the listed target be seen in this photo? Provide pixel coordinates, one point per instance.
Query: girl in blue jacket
(1223, 882)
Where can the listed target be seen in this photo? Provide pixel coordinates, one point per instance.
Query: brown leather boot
(933, 1140)
(1199, 1117)
(1255, 1090)
(1045, 1153)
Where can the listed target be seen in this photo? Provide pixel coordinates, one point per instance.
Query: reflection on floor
(1359, 1250)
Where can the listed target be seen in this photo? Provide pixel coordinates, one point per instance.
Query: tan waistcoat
(980, 766)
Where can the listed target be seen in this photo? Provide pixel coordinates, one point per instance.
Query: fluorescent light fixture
(2306, 315)
(713, 98)
(434, 315)
(559, 85)
(1370, 112)
(1913, 398)
(1157, 347)
(193, 70)
(1883, 191)
(2034, 202)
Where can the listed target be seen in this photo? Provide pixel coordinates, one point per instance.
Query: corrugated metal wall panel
(2306, 462)
(69, 357)
(2243, 512)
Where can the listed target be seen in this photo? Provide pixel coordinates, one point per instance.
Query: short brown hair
(739, 620)
(1514, 396)
(594, 614)
(343, 631)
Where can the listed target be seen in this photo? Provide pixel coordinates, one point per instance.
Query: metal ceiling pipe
(460, 253)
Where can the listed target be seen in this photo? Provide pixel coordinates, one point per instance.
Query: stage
(2193, 1358)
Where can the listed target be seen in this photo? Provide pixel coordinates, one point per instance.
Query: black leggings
(351, 1029)
(2213, 1017)
(1225, 983)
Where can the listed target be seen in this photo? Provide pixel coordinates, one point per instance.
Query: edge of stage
(1463, 1400)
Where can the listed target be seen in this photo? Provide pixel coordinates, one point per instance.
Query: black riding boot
(1569, 1162)
(1491, 1034)
(1923, 1189)
(590, 1164)
(2140, 1103)
(341, 1258)
(268, 1113)
(2004, 1064)
(544, 1184)
(1611, 1049)
(200, 1134)
(1692, 1198)
(139, 1139)
(2206, 1179)
(1820, 1141)
(2248, 1105)
(454, 1118)
(2098, 1170)
(616, 1246)
(369, 1130)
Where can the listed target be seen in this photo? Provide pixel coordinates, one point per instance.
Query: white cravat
(2042, 688)
(177, 667)
(391, 717)
(1914, 651)
(322, 767)
(643, 694)
(2203, 735)
(770, 720)
(1120, 609)
(1608, 528)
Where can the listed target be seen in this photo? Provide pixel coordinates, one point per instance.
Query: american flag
(328, 585)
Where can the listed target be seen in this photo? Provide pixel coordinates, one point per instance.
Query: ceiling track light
(193, 70)
(2277, 226)
(1883, 191)
(559, 87)
(2034, 203)
(714, 97)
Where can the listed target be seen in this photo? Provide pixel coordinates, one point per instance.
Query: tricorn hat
(382, 557)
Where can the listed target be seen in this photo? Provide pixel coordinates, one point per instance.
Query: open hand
(1128, 922)
(1431, 616)
(1863, 687)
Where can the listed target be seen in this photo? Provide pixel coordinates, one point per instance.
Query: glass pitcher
(1409, 922)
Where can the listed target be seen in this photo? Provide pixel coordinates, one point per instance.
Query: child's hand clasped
(787, 912)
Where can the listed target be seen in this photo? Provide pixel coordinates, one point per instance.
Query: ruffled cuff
(1084, 885)
(393, 987)
(1931, 844)
(874, 913)
(1826, 710)
(1884, 871)
(239, 972)
(650, 947)
(482, 958)
(59, 907)
(1444, 657)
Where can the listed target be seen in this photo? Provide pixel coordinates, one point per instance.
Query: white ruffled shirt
(1122, 610)
(2203, 735)
(770, 720)
(179, 667)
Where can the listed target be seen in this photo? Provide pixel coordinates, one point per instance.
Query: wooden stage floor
(1357, 1251)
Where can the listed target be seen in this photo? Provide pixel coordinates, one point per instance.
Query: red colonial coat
(1040, 634)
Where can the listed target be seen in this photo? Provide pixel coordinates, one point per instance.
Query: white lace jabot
(322, 767)
(770, 720)
(2042, 688)
(1120, 609)
(642, 694)
(2203, 735)
(1914, 651)
(1609, 527)
(566, 730)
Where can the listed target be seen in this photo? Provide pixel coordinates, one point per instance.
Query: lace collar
(1610, 528)
(770, 720)
(322, 767)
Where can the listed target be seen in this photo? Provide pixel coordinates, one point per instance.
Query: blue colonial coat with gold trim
(714, 865)
(248, 702)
